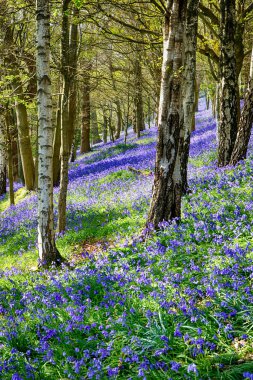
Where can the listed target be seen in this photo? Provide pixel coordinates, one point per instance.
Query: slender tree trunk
(167, 188)
(214, 105)
(94, 127)
(15, 151)
(117, 102)
(77, 132)
(217, 108)
(21, 111)
(3, 156)
(105, 128)
(140, 125)
(197, 87)
(10, 161)
(110, 125)
(245, 125)
(85, 131)
(57, 146)
(119, 120)
(190, 98)
(24, 138)
(73, 84)
(229, 93)
(48, 252)
(65, 146)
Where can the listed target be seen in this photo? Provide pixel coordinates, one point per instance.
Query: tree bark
(117, 102)
(21, 112)
(10, 160)
(229, 82)
(73, 45)
(167, 188)
(57, 146)
(65, 126)
(190, 97)
(24, 141)
(94, 127)
(85, 128)
(105, 129)
(245, 125)
(140, 125)
(48, 252)
(3, 156)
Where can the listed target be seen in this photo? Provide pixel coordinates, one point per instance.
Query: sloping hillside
(178, 306)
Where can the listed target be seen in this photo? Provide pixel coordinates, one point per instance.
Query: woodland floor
(179, 306)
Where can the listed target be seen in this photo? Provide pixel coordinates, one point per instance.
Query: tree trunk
(65, 149)
(10, 160)
(94, 127)
(57, 146)
(214, 105)
(190, 98)
(229, 93)
(2, 158)
(21, 111)
(217, 109)
(117, 102)
(167, 188)
(197, 87)
(245, 125)
(16, 159)
(110, 125)
(48, 252)
(105, 129)
(24, 137)
(140, 125)
(119, 120)
(85, 131)
(73, 45)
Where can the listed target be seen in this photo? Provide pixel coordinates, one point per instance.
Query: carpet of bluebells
(179, 306)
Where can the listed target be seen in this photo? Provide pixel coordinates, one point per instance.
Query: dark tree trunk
(119, 119)
(229, 94)
(9, 154)
(94, 127)
(105, 128)
(245, 125)
(110, 126)
(85, 127)
(140, 125)
(57, 146)
(3, 156)
(65, 126)
(190, 96)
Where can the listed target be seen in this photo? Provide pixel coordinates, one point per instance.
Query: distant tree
(86, 113)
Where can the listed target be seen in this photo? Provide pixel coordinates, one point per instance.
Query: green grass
(19, 195)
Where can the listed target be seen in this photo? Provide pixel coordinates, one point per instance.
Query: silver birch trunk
(167, 188)
(48, 252)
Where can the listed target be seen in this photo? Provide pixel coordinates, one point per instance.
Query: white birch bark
(48, 252)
